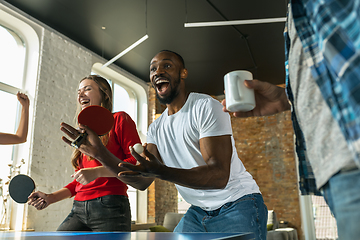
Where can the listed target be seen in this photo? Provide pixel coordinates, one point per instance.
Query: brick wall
(265, 146)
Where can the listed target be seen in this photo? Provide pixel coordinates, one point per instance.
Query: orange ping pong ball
(138, 148)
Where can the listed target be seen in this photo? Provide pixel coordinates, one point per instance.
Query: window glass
(132, 194)
(7, 125)
(324, 221)
(121, 99)
(122, 102)
(12, 58)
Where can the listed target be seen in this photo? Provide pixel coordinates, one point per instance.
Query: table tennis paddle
(20, 188)
(97, 118)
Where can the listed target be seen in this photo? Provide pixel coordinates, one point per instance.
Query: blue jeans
(342, 194)
(247, 214)
(103, 214)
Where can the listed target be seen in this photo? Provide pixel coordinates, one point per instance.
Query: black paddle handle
(79, 140)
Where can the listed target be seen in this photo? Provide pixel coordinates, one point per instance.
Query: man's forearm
(202, 177)
(111, 162)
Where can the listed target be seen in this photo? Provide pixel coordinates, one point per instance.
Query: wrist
(98, 171)
(100, 152)
(160, 172)
(50, 198)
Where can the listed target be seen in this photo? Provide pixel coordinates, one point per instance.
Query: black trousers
(103, 214)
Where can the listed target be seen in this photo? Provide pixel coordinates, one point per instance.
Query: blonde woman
(101, 202)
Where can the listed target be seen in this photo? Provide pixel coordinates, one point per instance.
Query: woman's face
(89, 93)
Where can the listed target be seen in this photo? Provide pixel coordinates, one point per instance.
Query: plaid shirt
(330, 33)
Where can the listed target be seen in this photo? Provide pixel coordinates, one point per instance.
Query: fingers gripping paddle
(97, 118)
(20, 187)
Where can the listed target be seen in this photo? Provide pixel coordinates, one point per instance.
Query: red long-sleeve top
(122, 135)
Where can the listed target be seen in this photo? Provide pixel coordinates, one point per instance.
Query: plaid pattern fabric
(330, 33)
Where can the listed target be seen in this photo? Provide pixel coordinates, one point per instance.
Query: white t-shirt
(177, 138)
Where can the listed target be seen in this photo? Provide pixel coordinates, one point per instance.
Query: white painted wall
(63, 65)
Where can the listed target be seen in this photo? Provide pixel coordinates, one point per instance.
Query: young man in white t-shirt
(192, 146)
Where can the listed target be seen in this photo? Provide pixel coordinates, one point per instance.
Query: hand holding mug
(238, 97)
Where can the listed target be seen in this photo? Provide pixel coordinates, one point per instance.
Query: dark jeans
(103, 214)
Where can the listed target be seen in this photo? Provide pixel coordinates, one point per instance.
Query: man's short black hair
(178, 55)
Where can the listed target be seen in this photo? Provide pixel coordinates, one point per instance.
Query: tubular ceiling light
(126, 51)
(236, 22)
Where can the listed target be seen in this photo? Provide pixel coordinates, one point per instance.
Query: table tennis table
(123, 236)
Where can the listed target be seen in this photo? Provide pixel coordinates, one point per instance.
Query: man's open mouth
(162, 85)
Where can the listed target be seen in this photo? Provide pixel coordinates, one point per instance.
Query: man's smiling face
(165, 76)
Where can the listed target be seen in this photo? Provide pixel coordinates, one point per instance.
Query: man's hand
(91, 146)
(149, 165)
(270, 99)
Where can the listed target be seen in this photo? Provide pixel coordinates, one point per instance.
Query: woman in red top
(101, 202)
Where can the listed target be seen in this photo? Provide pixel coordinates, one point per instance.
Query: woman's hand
(85, 175)
(39, 200)
(42, 200)
(23, 99)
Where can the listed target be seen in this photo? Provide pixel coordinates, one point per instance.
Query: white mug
(238, 97)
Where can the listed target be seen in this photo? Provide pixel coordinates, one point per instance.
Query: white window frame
(26, 31)
(138, 93)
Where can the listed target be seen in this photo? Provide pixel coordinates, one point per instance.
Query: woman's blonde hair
(106, 102)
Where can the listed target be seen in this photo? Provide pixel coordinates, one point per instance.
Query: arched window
(12, 59)
(19, 54)
(130, 96)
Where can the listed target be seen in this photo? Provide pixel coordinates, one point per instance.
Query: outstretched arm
(42, 200)
(22, 131)
(216, 151)
(270, 99)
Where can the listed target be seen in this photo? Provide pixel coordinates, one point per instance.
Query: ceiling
(209, 52)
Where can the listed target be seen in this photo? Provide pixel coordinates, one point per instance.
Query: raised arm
(22, 131)
(270, 99)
